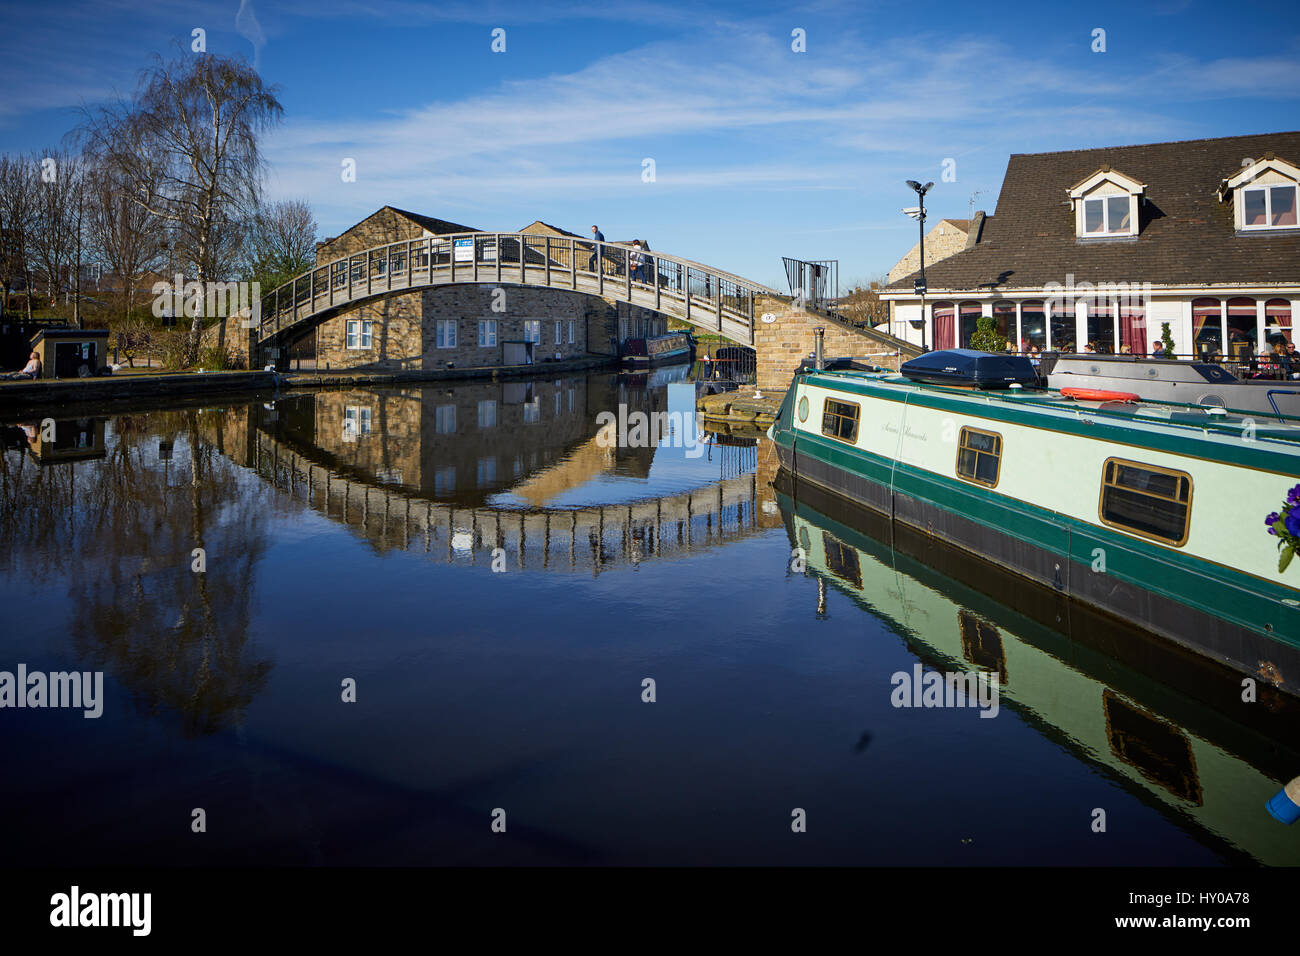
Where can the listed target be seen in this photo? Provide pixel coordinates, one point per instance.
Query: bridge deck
(705, 297)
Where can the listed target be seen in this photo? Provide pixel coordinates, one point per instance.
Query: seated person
(31, 370)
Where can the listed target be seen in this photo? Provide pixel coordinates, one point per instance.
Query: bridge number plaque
(768, 317)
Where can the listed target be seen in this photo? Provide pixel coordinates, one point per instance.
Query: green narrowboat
(1152, 512)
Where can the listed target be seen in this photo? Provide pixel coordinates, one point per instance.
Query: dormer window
(1263, 194)
(1106, 205)
(1268, 207)
(1107, 216)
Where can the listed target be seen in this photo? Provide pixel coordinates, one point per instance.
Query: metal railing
(703, 296)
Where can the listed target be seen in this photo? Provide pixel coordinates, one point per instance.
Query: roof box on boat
(971, 368)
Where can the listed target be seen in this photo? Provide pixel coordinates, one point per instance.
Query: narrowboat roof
(1187, 429)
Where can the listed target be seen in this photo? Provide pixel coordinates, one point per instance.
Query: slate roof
(439, 227)
(1186, 235)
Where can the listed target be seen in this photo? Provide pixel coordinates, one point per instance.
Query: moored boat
(670, 349)
(1180, 382)
(1153, 512)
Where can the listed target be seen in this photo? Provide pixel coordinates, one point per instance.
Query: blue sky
(759, 151)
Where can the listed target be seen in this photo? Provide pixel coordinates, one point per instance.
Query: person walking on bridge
(595, 250)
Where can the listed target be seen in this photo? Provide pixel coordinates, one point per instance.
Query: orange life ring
(1098, 395)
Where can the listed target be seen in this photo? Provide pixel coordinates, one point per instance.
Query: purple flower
(1293, 496)
(1270, 521)
(1293, 524)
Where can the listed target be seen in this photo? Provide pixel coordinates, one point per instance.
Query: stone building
(946, 239)
(460, 326)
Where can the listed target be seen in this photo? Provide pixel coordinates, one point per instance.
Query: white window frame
(487, 413)
(446, 333)
(444, 420)
(1106, 231)
(1267, 189)
(362, 335)
(533, 330)
(559, 332)
(487, 333)
(571, 326)
(357, 419)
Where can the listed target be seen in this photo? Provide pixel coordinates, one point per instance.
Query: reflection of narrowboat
(1152, 512)
(670, 349)
(1152, 715)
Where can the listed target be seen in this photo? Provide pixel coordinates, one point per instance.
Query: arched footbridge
(703, 296)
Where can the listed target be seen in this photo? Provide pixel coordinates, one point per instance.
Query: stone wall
(228, 332)
(404, 327)
(395, 336)
(944, 240)
(781, 345)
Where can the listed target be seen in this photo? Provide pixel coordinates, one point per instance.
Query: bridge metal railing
(696, 293)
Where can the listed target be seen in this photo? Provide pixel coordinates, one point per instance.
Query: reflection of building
(79, 439)
(460, 444)
(464, 325)
(1077, 236)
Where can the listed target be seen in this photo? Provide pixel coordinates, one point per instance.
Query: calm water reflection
(353, 534)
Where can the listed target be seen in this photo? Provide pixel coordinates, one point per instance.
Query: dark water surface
(353, 534)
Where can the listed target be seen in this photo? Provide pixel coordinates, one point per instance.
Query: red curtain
(1202, 311)
(1133, 330)
(945, 331)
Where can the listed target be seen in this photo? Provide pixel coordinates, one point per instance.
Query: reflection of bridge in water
(594, 537)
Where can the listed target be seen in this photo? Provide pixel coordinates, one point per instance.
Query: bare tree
(187, 145)
(128, 239)
(54, 238)
(863, 305)
(18, 192)
(282, 242)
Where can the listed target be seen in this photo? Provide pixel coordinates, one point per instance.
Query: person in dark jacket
(595, 250)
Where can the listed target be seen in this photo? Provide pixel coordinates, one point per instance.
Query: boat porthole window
(979, 456)
(803, 409)
(1146, 500)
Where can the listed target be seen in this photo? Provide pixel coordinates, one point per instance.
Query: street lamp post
(920, 224)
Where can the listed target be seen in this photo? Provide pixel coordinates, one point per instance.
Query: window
(487, 333)
(571, 325)
(444, 480)
(840, 420)
(487, 413)
(533, 330)
(979, 456)
(1033, 325)
(487, 472)
(1207, 335)
(558, 325)
(842, 561)
(945, 335)
(969, 321)
(1277, 318)
(446, 333)
(1269, 207)
(1107, 216)
(445, 419)
(1147, 500)
(359, 333)
(533, 411)
(356, 421)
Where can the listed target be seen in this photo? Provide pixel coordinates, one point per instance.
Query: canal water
(452, 624)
